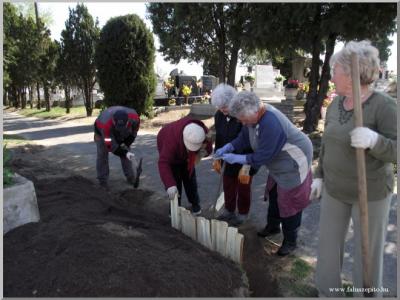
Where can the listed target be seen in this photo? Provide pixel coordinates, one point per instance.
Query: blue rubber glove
(221, 151)
(234, 158)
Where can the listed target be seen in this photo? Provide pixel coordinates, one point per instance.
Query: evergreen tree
(125, 59)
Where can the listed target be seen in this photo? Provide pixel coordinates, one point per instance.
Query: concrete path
(71, 143)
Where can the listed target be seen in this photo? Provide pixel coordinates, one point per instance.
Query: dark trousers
(235, 192)
(102, 166)
(181, 175)
(290, 225)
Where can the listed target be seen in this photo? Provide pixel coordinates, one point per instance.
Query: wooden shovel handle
(361, 174)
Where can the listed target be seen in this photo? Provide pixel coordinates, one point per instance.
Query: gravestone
(265, 76)
(181, 80)
(160, 92)
(209, 83)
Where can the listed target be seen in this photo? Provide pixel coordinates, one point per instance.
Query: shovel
(138, 172)
(220, 197)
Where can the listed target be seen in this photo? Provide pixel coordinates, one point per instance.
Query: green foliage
(125, 60)
(78, 41)
(7, 173)
(208, 32)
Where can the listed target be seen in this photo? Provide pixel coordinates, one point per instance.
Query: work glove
(225, 149)
(316, 188)
(234, 158)
(244, 174)
(363, 137)
(172, 191)
(130, 156)
(217, 166)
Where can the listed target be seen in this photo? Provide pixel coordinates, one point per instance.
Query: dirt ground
(90, 243)
(93, 243)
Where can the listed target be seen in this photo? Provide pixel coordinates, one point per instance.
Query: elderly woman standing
(337, 171)
(285, 151)
(237, 189)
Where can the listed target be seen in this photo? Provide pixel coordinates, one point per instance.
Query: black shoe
(286, 248)
(196, 210)
(269, 230)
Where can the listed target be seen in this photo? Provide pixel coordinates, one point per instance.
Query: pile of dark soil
(93, 243)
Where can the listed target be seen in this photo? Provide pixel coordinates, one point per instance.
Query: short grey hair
(222, 95)
(245, 104)
(368, 57)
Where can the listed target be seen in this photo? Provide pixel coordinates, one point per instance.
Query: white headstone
(265, 76)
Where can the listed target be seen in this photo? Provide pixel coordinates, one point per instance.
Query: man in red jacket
(115, 130)
(181, 144)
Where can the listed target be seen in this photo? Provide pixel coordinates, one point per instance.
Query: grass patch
(57, 112)
(7, 173)
(300, 269)
(13, 139)
(347, 289)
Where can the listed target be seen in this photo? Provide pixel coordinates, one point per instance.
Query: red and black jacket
(104, 126)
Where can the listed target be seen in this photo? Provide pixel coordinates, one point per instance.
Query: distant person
(237, 177)
(336, 175)
(115, 129)
(181, 145)
(287, 154)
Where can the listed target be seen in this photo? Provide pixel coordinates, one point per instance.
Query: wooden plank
(222, 228)
(175, 220)
(181, 212)
(204, 232)
(214, 225)
(231, 242)
(239, 240)
(188, 224)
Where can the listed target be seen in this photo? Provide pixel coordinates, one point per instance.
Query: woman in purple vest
(287, 154)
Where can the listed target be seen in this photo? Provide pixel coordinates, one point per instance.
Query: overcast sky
(106, 10)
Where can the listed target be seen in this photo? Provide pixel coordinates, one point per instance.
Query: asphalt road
(72, 144)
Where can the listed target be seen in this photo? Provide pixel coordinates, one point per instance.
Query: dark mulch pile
(93, 243)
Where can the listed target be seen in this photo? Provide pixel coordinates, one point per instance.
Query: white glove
(172, 191)
(316, 188)
(130, 155)
(363, 137)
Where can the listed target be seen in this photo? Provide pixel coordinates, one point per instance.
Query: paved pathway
(71, 142)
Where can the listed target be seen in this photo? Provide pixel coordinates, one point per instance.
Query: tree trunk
(220, 30)
(67, 98)
(233, 63)
(87, 92)
(46, 96)
(316, 97)
(30, 89)
(17, 103)
(325, 73)
(5, 97)
(23, 97)
(38, 95)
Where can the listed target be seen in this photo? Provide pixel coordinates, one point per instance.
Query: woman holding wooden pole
(335, 178)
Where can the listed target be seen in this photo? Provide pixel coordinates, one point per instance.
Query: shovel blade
(138, 172)
(220, 202)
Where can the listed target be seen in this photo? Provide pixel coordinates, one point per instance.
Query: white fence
(212, 234)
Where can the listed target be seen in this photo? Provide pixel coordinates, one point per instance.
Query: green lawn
(13, 139)
(57, 112)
